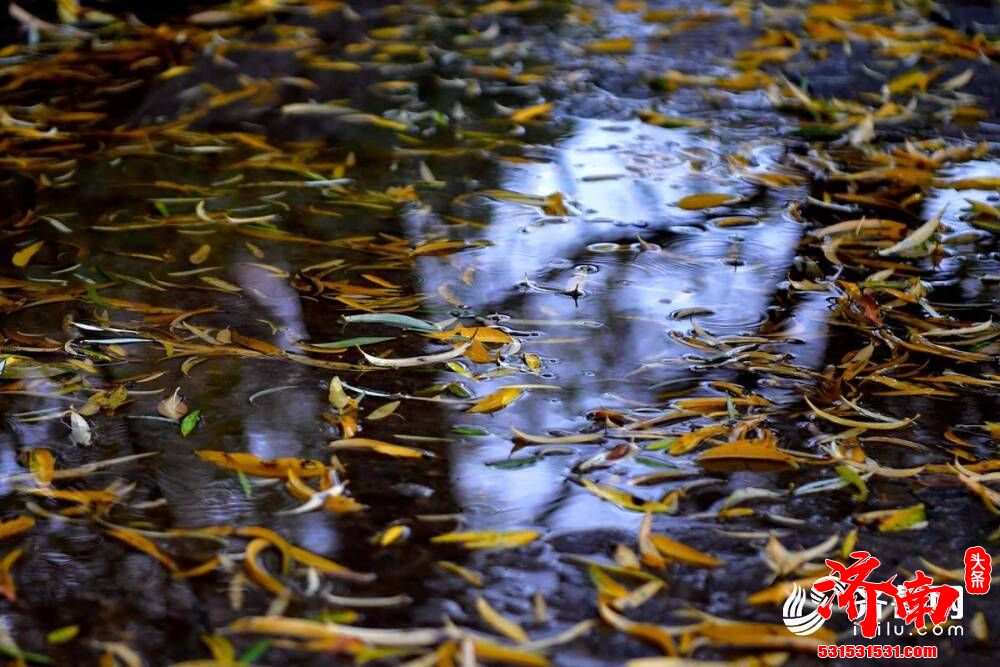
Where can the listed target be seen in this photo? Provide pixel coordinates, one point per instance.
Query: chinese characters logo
(978, 571)
(917, 601)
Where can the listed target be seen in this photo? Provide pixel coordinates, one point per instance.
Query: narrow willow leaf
(392, 319)
(352, 342)
(707, 200)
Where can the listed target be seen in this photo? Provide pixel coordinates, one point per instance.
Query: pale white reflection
(640, 262)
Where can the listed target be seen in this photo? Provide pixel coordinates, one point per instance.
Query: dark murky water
(619, 307)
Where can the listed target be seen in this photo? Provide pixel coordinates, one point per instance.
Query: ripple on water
(712, 251)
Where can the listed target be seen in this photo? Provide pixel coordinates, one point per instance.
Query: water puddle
(472, 332)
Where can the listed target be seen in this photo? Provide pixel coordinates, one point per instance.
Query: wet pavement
(224, 195)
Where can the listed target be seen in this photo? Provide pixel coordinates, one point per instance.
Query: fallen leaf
(706, 200)
(379, 447)
(498, 400)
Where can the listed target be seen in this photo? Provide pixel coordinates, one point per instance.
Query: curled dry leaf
(173, 406)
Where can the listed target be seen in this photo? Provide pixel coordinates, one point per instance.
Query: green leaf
(392, 320)
(818, 132)
(254, 652)
(361, 341)
(904, 519)
(162, 208)
(458, 389)
(245, 484)
(62, 635)
(851, 476)
(189, 422)
(653, 463)
(474, 431)
(25, 655)
(660, 444)
(96, 299)
(341, 616)
(514, 463)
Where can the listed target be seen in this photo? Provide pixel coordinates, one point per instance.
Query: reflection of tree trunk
(632, 294)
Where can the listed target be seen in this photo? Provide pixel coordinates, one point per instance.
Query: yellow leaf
(498, 400)
(16, 526)
(675, 550)
(201, 254)
(909, 80)
(981, 183)
(301, 628)
(654, 634)
(654, 118)
(336, 395)
(440, 247)
(905, 519)
(254, 465)
(627, 501)
(383, 411)
(744, 82)
(221, 284)
(387, 448)
(258, 574)
(554, 205)
(534, 362)
(842, 11)
(663, 15)
(499, 622)
(688, 441)
(290, 552)
(222, 649)
(484, 539)
(326, 566)
(706, 200)
(480, 334)
(175, 71)
(778, 593)
(491, 652)
(749, 450)
(854, 423)
(143, 544)
(465, 573)
(763, 635)
(7, 587)
(614, 45)
(391, 535)
(532, 112)
(339, 504)
(24, 255)
(42, 464)
(607, 588)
